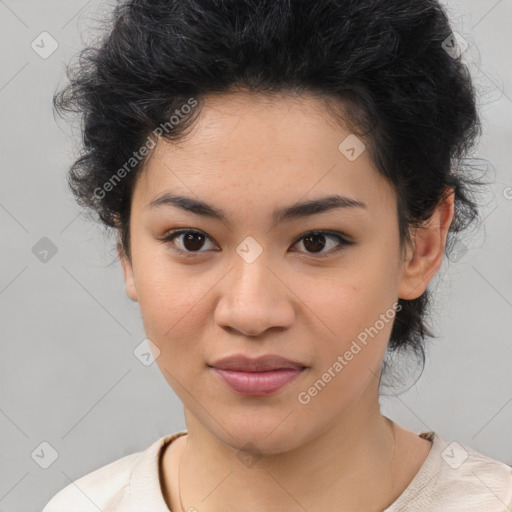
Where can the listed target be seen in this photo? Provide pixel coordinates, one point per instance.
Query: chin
(260, 433)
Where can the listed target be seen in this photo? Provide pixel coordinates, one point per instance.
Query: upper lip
(263, 363)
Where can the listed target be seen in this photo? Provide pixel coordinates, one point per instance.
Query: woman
(285, 178)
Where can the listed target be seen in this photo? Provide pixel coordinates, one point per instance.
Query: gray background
(68, 375)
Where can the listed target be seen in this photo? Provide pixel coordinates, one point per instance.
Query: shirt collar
(145, 490)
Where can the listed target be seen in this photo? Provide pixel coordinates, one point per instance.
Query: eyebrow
(288, 213)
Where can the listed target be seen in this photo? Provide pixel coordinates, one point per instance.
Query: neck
(351, 463)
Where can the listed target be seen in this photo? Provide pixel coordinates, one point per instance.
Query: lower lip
(258, 383)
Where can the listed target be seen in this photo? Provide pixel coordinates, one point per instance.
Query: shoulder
(456, 477)
(485, 483)
(103, 487)
(95, 489)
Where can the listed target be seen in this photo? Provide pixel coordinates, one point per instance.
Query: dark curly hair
(386, 61)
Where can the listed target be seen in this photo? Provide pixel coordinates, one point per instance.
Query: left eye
(315, 241)
(192, 241)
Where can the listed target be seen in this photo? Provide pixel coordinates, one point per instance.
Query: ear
(129, 279)
(426, 256)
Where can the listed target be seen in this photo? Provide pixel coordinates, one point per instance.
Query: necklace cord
(179, 481)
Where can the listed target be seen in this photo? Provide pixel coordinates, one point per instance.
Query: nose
(255, 298)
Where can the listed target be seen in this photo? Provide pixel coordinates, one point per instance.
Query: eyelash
(171, 235)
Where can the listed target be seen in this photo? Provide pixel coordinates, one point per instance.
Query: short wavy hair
(386, 61)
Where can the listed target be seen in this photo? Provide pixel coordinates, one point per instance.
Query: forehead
(251, 147)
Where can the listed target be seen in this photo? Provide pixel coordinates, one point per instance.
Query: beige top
(453, 478)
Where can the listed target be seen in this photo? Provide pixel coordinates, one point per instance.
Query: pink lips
(257, 377)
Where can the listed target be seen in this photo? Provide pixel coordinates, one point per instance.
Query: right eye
(190, 244)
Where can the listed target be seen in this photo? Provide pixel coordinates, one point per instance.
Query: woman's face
(252, 284)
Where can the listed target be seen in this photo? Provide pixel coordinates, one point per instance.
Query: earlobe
(426, 256)
(129, 279)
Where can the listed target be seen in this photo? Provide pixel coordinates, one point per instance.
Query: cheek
(172, 304)
(357, 310)
(347, 362)
(353, 300)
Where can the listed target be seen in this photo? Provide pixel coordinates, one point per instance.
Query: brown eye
(193, 241)
(190, 240)
(315, 241)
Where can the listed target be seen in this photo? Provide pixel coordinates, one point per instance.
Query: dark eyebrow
(295, 211)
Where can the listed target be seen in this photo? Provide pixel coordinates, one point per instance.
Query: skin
(249, 154)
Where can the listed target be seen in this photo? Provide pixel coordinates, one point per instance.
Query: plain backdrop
(71, 387)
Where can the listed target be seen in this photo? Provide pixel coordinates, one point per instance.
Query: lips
(264, 363)
(257, 376)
